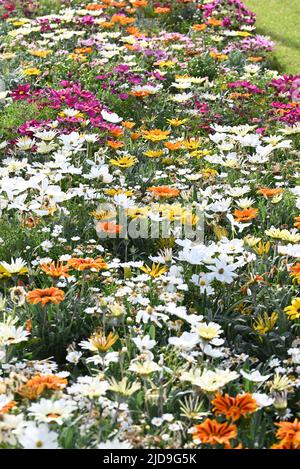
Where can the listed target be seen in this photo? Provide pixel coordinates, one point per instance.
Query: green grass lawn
(280, 19)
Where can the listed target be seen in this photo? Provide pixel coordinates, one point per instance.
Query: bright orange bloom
(288, 434)
(87, 263)
(297, 222)
(138, 94)
(245, 215)
(199, 27)
(214, 433)
(234, 407)
(55, 270)
(6, 408)
(116, 132)
(239, 95)
(255, 59)
(28, 325)
(122, 19)
(107, 24)
(94, 7)
(218, 55)
(114, 144)
(214, 22)
(109, 227)
(162, 10)
(163, 191)
(128, 124)
(173, 145)
(139, 3)
(40, 383)
(134, 31)
(295, 271)
(135, 135)
(46, 295)
(265, 191)
(83, 50)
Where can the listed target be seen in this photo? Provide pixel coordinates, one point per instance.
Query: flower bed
(149, 236)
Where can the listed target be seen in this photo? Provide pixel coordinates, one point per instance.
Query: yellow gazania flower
(79, 57)
(156, 135)
(113, 192)
(31, 71)
(293, 311)
(209, 173)
(243, 33)
(176, 122)
(200, 153)
(191, 144)
(155, 271)
(264, 323)
(137, 212)
(124, 162)
(167, 64)
(262, 248)
(283, 234)
(153, 153)
(102, 214)
(40, 53)
(100, 343)
(218, 56)
(251, 240)
(20, 22)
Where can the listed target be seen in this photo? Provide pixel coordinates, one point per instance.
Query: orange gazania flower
(214, 22)
(162, 10)
(135, 135)
(94, 7)
(134, 31)
(128, 124)
(245, 215)
(87, 263)
(265, 191)
(46, 295)
(122, 19)
(83, 50)
(255, 59)
(163, 191)
(295, 271)
(40, 383)
(109, 227)
(239, 95)
(114, 144)
(173, 145)
(6, 408)
(218, 55)
(116, 132)
(55, 270)
(107, 24)
(139, 3)
(234, 407)
(214, 433)
(288, 434)
(297, 222)
(138, 94)
(199, 27)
